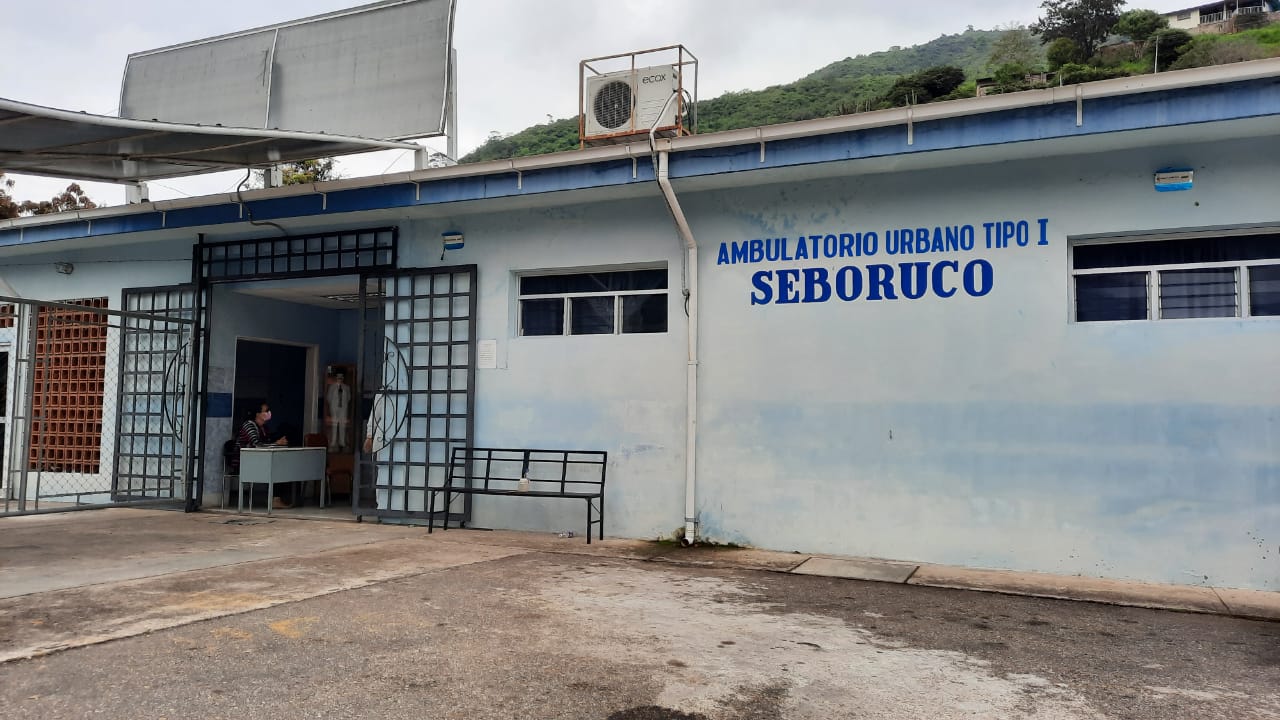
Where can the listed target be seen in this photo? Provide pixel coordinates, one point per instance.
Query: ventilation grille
(612, 104)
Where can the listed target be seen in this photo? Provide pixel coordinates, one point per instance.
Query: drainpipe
(691, 309)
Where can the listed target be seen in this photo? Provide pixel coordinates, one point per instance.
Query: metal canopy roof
(62, 143)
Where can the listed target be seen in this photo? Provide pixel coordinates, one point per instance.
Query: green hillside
(930, 72)
(839, 88)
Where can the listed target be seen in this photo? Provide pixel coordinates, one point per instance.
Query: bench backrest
(578, 472)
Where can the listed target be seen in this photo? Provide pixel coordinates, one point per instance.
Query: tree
(1138, 25)
(1015, 46)
(73, 198)
(1063, 51)
(9, 207)
(1010, 77)
(1168, 46)
(924, 86)
(1084, 22)
(308, 171)
(301, 172)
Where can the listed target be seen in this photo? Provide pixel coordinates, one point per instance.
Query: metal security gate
(98, 403)
(421, 390)
(157, 396)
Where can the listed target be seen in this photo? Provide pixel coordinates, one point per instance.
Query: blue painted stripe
(127, 223)
(208, 215)
(218, 405)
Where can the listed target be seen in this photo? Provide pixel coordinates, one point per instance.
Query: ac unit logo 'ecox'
(648, 79)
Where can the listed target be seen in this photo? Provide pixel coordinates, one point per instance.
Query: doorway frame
(309, 388)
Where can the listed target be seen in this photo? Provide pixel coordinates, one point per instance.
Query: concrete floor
(146, 614)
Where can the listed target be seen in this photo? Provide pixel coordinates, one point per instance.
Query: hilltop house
(1220, 17)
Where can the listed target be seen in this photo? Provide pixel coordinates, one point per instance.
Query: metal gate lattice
(74, 374)
(422, 404)
(155, 413)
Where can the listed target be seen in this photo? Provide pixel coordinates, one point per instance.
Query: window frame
(567, 299)
(1155, 307)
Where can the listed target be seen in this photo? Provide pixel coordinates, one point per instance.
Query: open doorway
(274, 373)
(295, 344)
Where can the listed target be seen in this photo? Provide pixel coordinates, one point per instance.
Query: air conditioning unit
(631, 101)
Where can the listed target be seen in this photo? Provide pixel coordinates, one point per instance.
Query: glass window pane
(542, 317)
(644, 313)
(641, 280)
(1208, 292)
(1114, 296)
(593, 282)
(591, 316)
(1175, 252)
(1264, 290)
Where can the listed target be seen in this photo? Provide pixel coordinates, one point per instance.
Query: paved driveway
(136, 614)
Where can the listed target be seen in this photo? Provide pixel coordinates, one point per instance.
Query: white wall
(983, 431)
(990, 431)
(620, 393)
(96, 272)
(1191, 21)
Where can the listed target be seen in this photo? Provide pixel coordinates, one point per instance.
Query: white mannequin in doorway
(337, 397)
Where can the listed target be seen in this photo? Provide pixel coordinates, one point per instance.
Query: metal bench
(519, 472)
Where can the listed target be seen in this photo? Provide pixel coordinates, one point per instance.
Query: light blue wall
(236, 315)
(98, 272)
(620, 393)
(982, 431)
(990, 431)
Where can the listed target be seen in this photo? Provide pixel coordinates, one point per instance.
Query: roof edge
(1173, 80)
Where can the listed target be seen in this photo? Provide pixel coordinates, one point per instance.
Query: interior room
(296, 348)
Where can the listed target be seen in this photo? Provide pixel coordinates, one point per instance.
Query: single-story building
(1219, 17)
(1035, 331)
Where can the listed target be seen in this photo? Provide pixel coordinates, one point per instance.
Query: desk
(272, 465)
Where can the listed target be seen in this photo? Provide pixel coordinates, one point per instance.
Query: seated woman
(253, 433)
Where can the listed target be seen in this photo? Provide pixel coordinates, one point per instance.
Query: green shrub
(1063, 51)
(1266, 35)
(1138, 25)
(1073, 73)
(1169, 45)
(1208, 50)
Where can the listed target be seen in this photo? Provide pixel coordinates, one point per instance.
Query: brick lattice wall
(70, 379)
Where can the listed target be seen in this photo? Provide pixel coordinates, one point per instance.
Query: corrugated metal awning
(61, 143)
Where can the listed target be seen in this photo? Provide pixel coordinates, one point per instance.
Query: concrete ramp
(857, 569)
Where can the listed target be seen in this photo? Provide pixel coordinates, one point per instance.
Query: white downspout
(691, 378)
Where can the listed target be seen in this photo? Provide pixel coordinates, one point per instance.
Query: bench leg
(589, 509)
(431, 511)
(601, 517)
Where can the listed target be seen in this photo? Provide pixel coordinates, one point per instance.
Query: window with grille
(1201, 277)
(594, 302)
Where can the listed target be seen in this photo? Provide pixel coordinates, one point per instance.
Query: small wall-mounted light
(64, 267)
(451, 240)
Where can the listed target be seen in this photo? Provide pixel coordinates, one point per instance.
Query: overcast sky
(517, 59)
